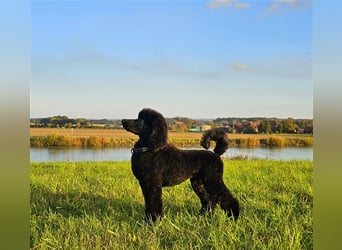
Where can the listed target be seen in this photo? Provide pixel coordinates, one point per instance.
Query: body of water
(124, 154)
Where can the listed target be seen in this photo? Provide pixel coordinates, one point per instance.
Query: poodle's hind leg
(153, 202)
(221, 194)
(231, 206)
(198, 186)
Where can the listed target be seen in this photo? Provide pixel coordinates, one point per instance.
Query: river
(54, 154)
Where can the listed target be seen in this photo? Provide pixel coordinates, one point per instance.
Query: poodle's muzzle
(133, 125)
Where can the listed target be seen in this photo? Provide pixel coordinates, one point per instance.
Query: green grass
(99, 205)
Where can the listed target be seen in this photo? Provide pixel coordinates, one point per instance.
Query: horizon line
(166, 117)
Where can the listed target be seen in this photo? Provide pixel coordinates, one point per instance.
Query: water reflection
(124, 154)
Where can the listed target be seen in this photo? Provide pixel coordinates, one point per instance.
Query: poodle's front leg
(153, 201)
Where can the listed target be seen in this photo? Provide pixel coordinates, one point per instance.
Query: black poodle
(157, 164)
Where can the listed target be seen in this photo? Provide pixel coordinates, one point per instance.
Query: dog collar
(140, 150)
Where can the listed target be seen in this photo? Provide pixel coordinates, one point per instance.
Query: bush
(275, 141)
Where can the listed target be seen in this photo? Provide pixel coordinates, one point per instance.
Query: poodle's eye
(140, 123)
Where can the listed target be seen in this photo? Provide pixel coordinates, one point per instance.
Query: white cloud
(278, 5)
(297, 66)
(274, 6)
(216, 4)
(292, 66)
(238, 66)
(241, 5)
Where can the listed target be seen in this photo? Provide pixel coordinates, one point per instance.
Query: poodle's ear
(158, 137)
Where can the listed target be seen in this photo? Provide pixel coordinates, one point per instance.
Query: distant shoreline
(45, 137)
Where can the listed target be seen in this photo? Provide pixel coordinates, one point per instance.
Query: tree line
(232, 125)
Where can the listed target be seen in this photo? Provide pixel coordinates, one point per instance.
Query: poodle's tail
(219, 136)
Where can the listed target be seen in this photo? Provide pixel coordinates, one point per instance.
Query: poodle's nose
(124, 122)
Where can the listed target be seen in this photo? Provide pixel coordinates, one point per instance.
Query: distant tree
(179, 127)
(68, 125)
(278, 127)
(234, 124)
(290, 126)
(170, 122)
(308, 130)
(244, 121)
(265, 127)
(188, 122)
(249, 130)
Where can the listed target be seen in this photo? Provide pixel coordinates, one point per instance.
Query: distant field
(82, 132)
(120, 133)
(120, 138)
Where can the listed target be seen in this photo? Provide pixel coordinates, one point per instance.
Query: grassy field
(121, 133)
(121, 138)
(99, 205)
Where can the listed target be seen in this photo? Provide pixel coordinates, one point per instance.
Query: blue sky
(200, 59)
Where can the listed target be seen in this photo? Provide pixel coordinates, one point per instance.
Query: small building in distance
(200, 128)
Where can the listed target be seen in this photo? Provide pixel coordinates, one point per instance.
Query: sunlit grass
(99, 205)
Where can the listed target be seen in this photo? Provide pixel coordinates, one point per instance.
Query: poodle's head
(150, 127)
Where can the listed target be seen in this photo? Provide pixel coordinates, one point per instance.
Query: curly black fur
(157, 164)
(219, 136)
